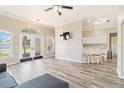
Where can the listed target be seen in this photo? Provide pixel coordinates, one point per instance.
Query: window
(5, 44)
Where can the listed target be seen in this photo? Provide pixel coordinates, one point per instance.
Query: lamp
(61, 36)
(65, 36)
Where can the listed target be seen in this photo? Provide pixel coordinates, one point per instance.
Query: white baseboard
(118, 72)
(50, 56)
(119, 75)
(68, 59)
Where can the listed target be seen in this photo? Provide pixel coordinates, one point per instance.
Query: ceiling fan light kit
(58, 8)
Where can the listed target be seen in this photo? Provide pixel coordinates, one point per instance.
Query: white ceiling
(51, 18)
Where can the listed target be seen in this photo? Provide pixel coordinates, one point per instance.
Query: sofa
(6, 80)
(44, 81)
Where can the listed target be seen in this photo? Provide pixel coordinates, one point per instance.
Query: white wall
(69, 49)
(15, 26)
(114, 46)
(120, 53)
(99, 32)
(120, 62)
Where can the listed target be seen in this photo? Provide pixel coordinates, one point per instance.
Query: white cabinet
(95, 40)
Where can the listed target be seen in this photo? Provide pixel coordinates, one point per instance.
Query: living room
(61, 49)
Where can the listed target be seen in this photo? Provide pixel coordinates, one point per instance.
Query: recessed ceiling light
(38, 19)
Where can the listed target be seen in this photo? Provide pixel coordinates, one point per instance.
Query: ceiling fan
(58, 8)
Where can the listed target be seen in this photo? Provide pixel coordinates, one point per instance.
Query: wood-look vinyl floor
(78, 75)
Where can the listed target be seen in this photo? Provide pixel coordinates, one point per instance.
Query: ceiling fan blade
(48, 9)
(67, 7)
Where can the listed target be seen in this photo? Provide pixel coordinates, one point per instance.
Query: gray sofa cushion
(7, 81)
(4, 74)
(45, 81)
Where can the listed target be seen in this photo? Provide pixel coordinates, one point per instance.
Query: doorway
(112, 45)
(30, 47)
